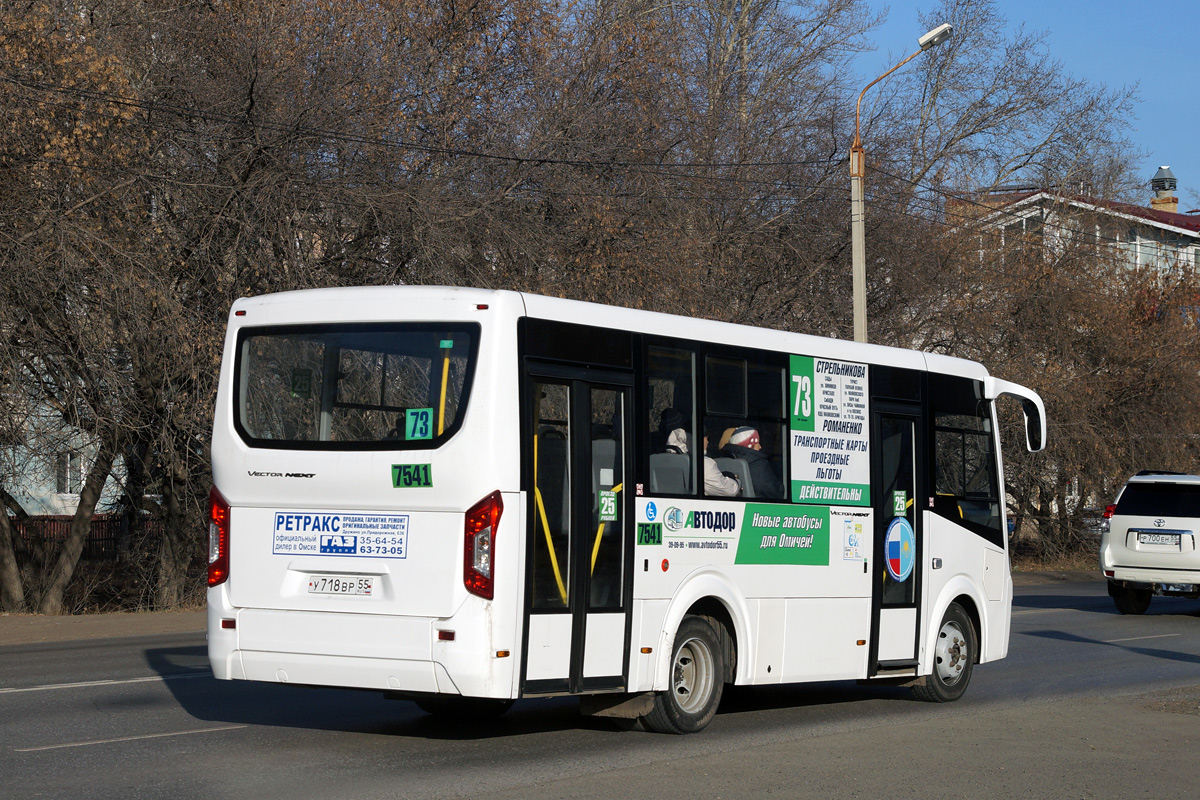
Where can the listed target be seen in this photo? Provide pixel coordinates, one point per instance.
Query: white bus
(465, 497)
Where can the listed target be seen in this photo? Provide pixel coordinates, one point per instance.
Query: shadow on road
(346, 710)
(369, 712)
(1100, 602)
(801, 695)
(1122, 644)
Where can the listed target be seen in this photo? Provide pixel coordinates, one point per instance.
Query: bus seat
(670, 473)
(604, 457)
(739, 468)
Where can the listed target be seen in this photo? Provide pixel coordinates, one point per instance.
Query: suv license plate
(340, 584)
(1171, 539)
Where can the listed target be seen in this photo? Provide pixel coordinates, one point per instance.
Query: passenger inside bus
(718, 483)
(745, 445)
(397, 430)
(669, 421)
(670, 465)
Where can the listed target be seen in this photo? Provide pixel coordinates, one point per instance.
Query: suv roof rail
(1158, 472)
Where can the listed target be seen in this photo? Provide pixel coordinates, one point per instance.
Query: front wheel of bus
(697, 680)
(954, 658)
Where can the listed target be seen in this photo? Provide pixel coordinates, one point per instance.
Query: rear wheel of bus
(697, 680)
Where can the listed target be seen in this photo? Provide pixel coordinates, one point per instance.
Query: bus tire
(1129, 600)
(696, 682)
(954, 656)
(452, 706)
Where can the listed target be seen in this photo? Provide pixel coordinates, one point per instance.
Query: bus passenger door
(576, 451)
(898, 538)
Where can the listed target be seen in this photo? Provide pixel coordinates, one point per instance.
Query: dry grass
(1087, 562)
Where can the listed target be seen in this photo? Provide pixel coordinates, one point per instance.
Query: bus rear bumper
(359, 651)
(347, 671)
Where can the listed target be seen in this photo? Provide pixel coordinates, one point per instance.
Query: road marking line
(85, 684)
(127, 739)
(1139, 638)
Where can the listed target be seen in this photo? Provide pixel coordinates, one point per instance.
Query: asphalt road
(1088, 704)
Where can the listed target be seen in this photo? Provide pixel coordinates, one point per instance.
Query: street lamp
(858, 251)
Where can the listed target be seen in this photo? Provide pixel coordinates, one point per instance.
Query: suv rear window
(1160, 500)
(353, 386)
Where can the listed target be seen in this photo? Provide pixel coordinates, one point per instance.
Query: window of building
(68, 477)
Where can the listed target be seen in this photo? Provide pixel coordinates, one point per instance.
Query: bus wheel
(1130, 601)
(954, 657)
(464, 707)
(697, 680)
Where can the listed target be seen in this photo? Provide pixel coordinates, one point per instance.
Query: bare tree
(685, 157)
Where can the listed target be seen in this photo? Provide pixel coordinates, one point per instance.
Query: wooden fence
(109, 534)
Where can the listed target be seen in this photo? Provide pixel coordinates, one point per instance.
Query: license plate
(340, 584)
(1159, 538)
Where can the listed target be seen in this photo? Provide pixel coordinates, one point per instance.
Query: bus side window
(748, 394)
(966, 471)
(670, 421)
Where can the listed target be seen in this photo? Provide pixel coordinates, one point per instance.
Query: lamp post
(858, 250)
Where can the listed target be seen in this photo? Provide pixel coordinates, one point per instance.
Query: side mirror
(1034, 428)
(1031, 405)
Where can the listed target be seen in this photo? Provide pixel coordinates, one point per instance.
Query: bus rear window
(353, 386)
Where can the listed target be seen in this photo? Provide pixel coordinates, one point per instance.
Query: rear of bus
(365, 467)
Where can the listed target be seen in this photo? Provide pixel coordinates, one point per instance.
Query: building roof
(1183, 224)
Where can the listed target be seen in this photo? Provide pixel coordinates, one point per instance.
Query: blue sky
(1113, 42)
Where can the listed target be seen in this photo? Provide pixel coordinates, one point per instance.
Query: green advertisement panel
(830, 437)
(773, 534)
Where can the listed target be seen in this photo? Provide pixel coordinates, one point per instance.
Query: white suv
(1150, 545)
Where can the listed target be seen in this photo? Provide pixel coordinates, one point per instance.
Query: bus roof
(380, 303)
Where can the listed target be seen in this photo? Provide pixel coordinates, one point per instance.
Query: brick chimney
(1163, 184)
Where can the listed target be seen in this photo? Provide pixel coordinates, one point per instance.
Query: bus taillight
(218, 538)
(480, 540)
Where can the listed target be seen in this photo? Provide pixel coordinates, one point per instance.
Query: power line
(658, 168)
(302, 131)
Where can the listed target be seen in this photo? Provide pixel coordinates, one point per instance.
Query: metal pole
(858, 247)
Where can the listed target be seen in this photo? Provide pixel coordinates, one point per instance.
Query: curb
(1056, 576)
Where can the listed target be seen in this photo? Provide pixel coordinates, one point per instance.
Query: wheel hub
(692, 675)
(951, 653)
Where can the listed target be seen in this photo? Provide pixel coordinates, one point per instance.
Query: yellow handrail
(541, 507)
(445, 378)
(599, 533)
(562, 589)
